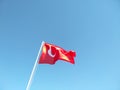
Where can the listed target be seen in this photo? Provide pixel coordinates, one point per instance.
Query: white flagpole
(34, 68)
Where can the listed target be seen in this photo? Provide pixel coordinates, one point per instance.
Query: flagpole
(34, 68)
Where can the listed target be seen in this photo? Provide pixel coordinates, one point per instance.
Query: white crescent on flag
(50, 54)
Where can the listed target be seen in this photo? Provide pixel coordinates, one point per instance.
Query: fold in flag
(51, 53)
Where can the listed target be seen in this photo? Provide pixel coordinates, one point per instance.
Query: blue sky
(90, 27)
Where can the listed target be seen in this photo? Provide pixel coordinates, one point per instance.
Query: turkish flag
(51, 53)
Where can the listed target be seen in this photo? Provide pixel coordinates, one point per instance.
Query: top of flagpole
(40, 49)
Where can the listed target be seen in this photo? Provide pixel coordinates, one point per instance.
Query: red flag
(51, 53)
